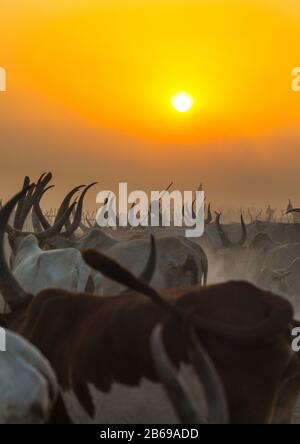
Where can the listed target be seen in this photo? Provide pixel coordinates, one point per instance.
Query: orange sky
(90, 84)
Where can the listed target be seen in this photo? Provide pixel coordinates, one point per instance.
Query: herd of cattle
(145, 326)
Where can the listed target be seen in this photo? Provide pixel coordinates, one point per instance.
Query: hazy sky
(89, 88)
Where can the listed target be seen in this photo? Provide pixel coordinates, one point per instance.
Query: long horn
(52, 231)
(209, 216)
(20, 203)
(55, 229)
(223, 236)
(66, 202)
(38, 211)
(77, 218)
(12, 292)
(28, 202)
(42, 182)
(36, 224)
(244, 232)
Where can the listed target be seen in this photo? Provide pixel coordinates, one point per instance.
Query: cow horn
(28, 202)
(55, 229)
(209, 216)
(12, 292)
(37, 209)
(20, 204)
(39, 192)
(78, 214)
(36, 224)
(66, 202)
(244, 232)
(223, 236)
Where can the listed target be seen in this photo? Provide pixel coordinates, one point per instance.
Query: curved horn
(209, 216)
(12, 292)
(41, 188)
(223, 236)
(77, 218)
(28, 202)
(55, 229)
(20, 204)
(52, 231)
(244, 232)
(36, 224)
(66, 202)
(40, 179)
(42, 219)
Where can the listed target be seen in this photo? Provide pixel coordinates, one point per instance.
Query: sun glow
(182, 102)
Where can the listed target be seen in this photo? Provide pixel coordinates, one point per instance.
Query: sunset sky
(90, 83)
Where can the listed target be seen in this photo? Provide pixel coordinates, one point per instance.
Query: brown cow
(111, 354)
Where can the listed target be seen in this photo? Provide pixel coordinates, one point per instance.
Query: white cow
(180, 262)
(37, 269)
(28, 386)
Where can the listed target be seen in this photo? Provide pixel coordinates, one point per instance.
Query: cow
(116, 358)
(28, 385)
(181, 261)
(35, 268)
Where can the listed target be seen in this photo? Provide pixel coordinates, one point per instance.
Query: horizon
(89, 101)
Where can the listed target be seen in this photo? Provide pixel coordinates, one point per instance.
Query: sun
(182, 102)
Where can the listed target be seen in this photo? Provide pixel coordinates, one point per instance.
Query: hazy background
(89, 88)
